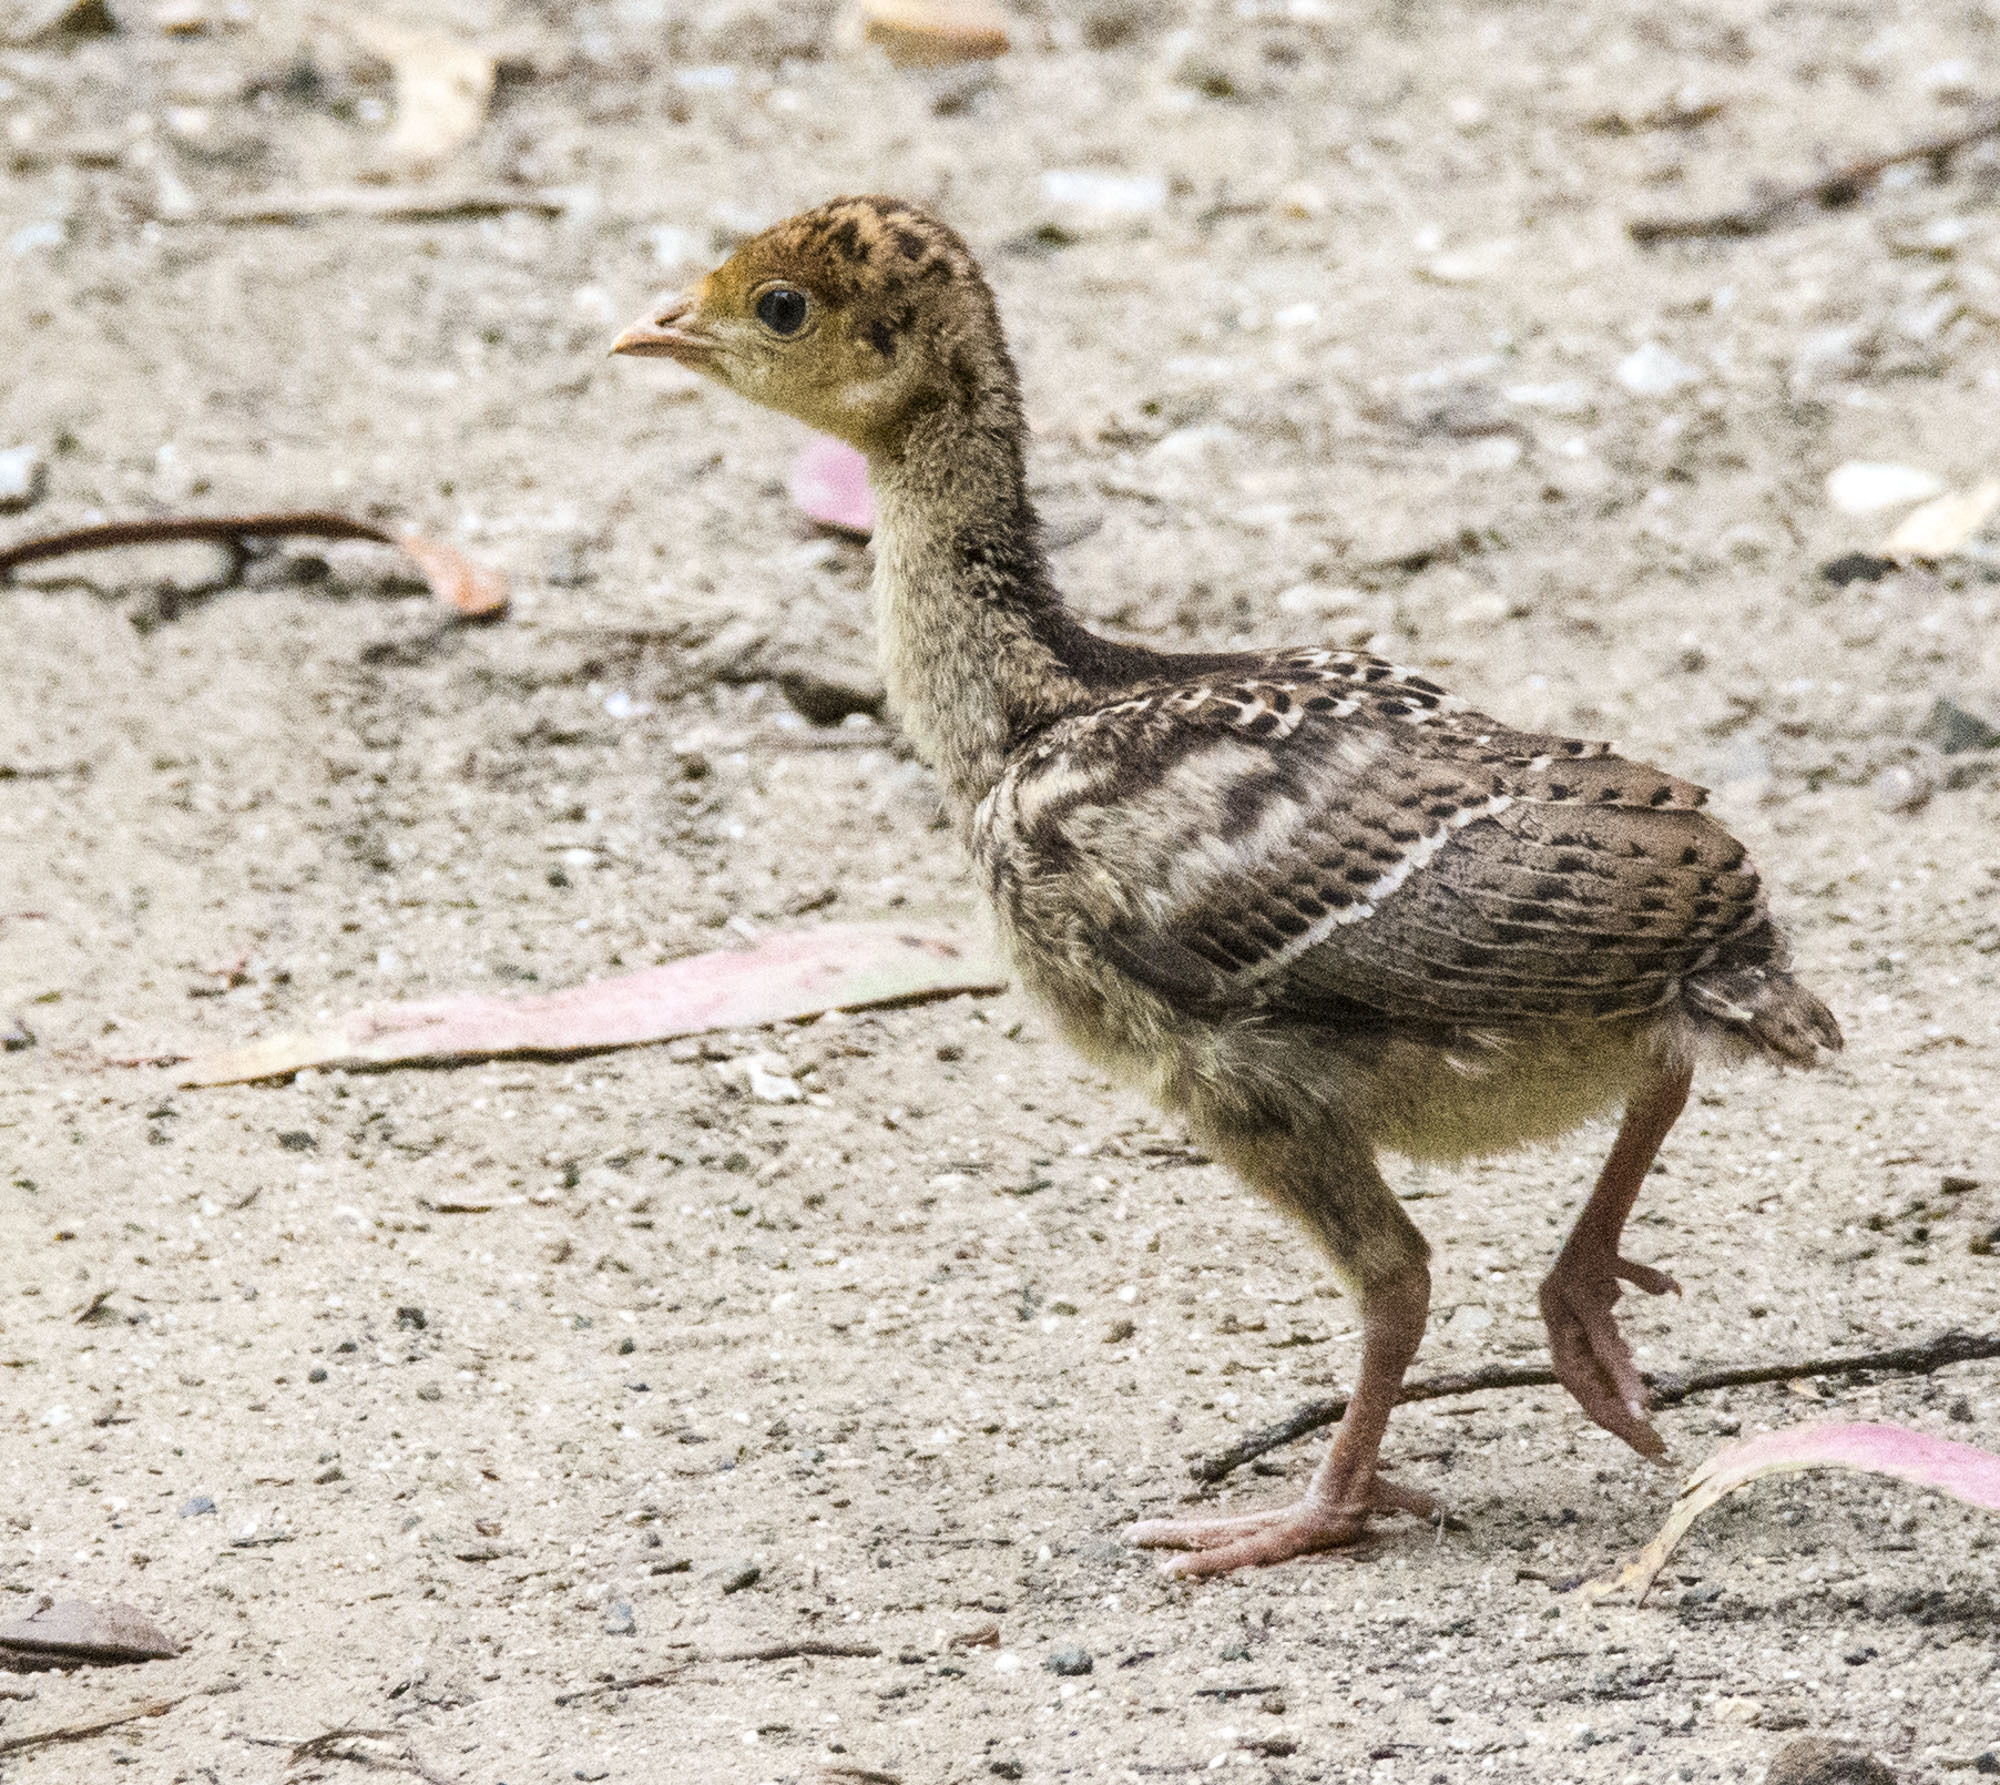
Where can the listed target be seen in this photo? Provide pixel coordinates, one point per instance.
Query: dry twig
(82, 1732)
(338, 1744)
(1668, 1390)
(781, 1651)
(1831, 192)
(474, 592)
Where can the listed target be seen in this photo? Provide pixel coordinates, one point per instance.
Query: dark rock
(1071, 1662)
(414, 1318)
(73, 1630)
(16, 1037)
(1857, 567)
(1815, 1761)
(733, 1577)
(1955, 731)
(297, 1140)
(317, 1373)
(826, 698)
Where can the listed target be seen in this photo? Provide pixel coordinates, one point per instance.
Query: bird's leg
(1383, 1253)
(1589, 1353)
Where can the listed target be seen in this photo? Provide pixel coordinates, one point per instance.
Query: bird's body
(1311, 902)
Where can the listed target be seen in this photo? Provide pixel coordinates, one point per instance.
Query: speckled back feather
(1324, 836)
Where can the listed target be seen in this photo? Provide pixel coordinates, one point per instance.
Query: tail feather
(1765, 1008)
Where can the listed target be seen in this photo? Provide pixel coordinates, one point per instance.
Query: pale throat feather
(961, 663)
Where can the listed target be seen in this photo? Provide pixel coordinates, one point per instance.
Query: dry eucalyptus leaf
(928, 33)
(443, 86)
(1943, 525)
(1963, 1471)
(829, 482)
(783, 978)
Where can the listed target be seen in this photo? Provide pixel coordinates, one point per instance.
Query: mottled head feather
(899, 323)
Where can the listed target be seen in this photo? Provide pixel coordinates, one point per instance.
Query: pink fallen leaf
(783, 978)
(1963, 1471)
(454, 579)
(829, 482)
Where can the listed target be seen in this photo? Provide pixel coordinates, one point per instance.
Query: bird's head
(858, 318)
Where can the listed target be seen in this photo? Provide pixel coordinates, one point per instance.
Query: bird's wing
(1336, 838)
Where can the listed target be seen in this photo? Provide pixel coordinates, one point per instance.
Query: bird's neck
(976, 649)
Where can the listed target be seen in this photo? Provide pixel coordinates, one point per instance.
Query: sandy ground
(895, 1365)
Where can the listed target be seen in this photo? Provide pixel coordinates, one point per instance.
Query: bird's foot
(1323, 1520)
(1588, 1351)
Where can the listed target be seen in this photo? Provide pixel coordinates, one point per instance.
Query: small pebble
(1651, 371)
(317, 1373)
(1861, 487)
(197, 1506)
(1901, 788)
(16, 1037)
(1070, 1663)
(733, 1577)
(414, 1318)
(618, 1619)
(1105, 195)
(22, 475)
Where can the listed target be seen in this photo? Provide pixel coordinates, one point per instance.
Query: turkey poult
(1312, 903)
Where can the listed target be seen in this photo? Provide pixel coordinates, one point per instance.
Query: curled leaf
(829, 482)
(454, 578)
(1937, 530)
(443, 86)
(783, 978)
(1963, 1471)
(930, 33)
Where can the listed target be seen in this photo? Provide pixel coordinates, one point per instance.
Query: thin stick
(455, 580)
(1668, 1390)
(82, 1732)
(1831, 192)
(782, 1651)
(226, 529)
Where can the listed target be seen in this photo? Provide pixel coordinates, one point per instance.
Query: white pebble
(22, 474)
(1651, 371)
(1109, 195)
(1864, 487)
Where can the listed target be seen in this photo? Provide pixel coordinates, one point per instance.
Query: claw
(1588, 1351)
(1282, 1534)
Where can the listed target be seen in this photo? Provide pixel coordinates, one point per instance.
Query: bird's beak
(669, 331)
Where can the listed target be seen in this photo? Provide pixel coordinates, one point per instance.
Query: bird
(1315, 906)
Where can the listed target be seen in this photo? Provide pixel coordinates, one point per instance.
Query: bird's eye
(782, 310)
